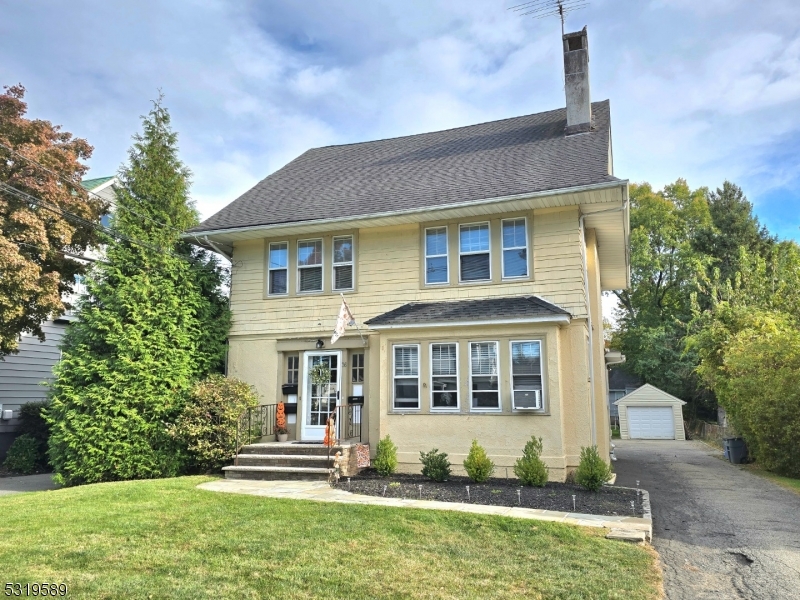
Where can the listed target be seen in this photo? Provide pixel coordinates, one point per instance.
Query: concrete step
(283, 460)
(276, 473)
(289, 448)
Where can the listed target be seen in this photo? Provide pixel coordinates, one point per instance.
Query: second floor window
(474, 254)
(278, 268)
(343, 263)
(309, 266)
(515, 248)
(436, 255)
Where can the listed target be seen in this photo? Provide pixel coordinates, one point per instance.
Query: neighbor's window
(357, 364)
(515, 248)
(309, 266)
(343, 263)
(293, 370)
(444, 376)
(484, 382)
(406, 377)
(474, 252)
(278, 268)
(526, 375)
(436, 255)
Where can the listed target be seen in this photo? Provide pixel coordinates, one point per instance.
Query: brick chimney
(576, 82)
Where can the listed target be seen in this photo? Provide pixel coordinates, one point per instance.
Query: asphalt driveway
(721, 531)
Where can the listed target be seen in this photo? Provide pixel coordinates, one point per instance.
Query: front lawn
(167, 539)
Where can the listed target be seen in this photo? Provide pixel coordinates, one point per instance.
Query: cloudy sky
(701, 89)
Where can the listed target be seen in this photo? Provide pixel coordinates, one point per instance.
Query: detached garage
(649, 413)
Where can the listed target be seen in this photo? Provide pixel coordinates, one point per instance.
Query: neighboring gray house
(620, 383)
(22, 375)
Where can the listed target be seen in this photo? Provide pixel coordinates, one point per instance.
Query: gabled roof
(515, 156)
(93, 184)
(486, 310)
(648, 393)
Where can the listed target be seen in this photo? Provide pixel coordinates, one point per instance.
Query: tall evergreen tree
(153, 322)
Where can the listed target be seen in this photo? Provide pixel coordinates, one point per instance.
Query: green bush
(530, 469)
(435, 465)
(23, 454)
(207, 424)
(592, 471)
(385, 457)
(32, 422)
(478, 466)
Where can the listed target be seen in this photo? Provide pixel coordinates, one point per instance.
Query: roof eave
(557, 319)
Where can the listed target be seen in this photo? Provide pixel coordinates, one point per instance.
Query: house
(23, 376)
(649, 413)
(620, 383)
(473, 261)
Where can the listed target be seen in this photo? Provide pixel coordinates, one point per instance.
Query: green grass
(789, 483)
(168, 539)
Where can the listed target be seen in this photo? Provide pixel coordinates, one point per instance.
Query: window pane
(436, 241)
(485, 392)
(484, 359)
(406, 362)
(309, 253)
(278, 256)
(526, 358)
(343, 277)
(436, 270)
(515, 263)
(311, 279)
(475, 238)
(277, 281)
(443, 359)
(406, 393)
(445, 392)
(343, 250)
(514, 234)
(474, 267)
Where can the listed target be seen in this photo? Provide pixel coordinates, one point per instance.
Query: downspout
(582, 225)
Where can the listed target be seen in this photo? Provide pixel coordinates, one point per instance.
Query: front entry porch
(269, 460)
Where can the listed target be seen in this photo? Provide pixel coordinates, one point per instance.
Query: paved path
(322, 492)
(26, 483)
(721, 531)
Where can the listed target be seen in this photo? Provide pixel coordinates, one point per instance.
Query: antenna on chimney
(539, 9)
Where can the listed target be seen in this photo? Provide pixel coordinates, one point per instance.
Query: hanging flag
(345, 318)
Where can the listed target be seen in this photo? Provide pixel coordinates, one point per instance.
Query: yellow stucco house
(473, 261)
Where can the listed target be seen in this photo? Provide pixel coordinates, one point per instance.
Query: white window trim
(489, 252)
(395, 408)
(503, 253)
(457, 407)
(446, 254)
(543, 395)
(270, 269)
(499, 382)
(320, 266)
(351, 263)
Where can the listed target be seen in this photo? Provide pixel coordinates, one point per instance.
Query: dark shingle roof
(485, 309)
(501, 158)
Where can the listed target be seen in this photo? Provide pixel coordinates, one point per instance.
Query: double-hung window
(484, 379)
(526, 375)
(309, 266)
(406, 377)
(444, 376)
(474, 254)
(343, 263)
(515, 248)
(278, 268)
(436, 270)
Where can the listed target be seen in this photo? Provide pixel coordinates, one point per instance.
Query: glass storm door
(319, 400)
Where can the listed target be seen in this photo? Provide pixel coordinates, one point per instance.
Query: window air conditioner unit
(526, 397)
(7, 414)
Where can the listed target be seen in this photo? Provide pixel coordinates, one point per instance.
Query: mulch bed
(609, 500)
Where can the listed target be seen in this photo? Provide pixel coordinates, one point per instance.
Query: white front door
(319, 400)
(651, 423)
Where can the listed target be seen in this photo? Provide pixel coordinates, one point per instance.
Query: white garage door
(651, 422)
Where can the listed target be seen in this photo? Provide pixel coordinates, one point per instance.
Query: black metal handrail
(348, 418)
(254, 423)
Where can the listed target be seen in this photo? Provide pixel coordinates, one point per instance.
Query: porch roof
(515, 309)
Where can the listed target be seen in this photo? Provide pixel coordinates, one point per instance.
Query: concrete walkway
(26, 483)
(320, 491)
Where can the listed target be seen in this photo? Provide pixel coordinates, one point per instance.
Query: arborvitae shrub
(478, 466)
(435, 465)
(592, 471)
(23, 454)
(385, 462)
(530, 469)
